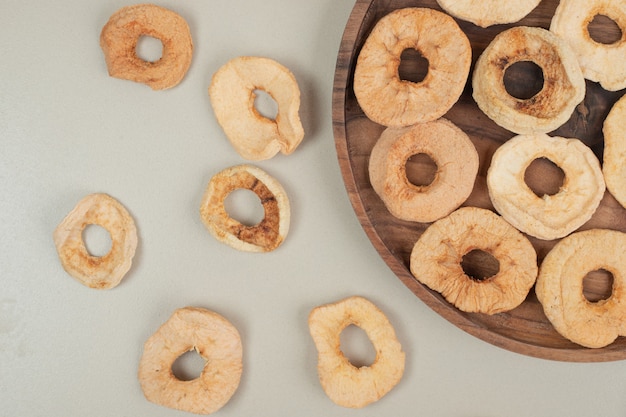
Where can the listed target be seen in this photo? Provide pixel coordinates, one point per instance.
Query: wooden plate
(524, 330)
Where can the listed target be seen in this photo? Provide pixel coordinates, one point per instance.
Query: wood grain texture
(524, 330)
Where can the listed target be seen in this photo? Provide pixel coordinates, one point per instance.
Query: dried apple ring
(436, 261)
(614, 161)
(559, 287)
(232, 94)
(344, 383)
(100, 272)
(451, 150)
(603, 63)
(215, 339)
(119, 37)
(563, 83)
(485, 13)
(550, 216)
(390, 101)
(263, 237)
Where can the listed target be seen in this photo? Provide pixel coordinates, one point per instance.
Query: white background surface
(67, 129)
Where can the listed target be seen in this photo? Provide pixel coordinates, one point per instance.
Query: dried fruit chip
(387, 99)
(263, 237)
(451, 150)
(344, 383)
(119, 37)
(549, 216)
(600, 62)
(485, 13)
(614, 162)
(215, 339)
(560, 287)
(232, 94)
(437, 256)
(563, 83)
(100, 272)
